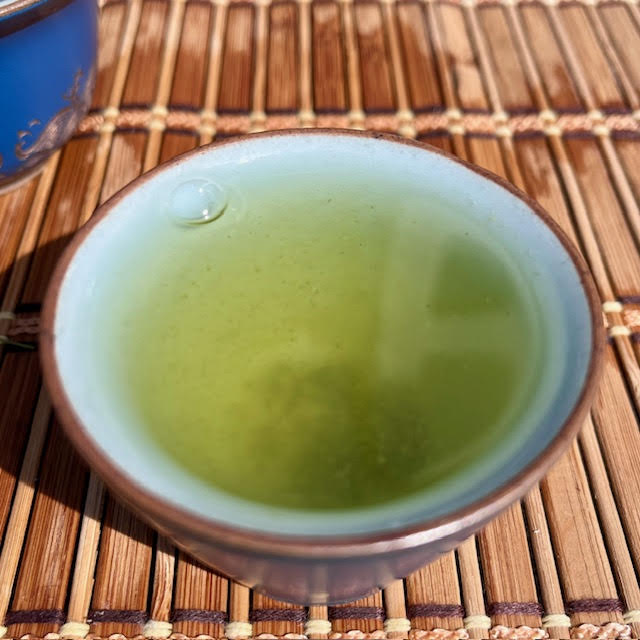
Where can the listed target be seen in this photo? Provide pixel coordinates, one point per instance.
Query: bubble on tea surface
(197, 202)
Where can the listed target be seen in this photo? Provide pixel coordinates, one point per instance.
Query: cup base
(13, 182)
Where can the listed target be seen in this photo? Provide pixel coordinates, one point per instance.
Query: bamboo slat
(144, 67)
(366, 615)
(23, 501)
(176, 142)
(275, 617)
(112, 21)
(614, 426)
(625, 36)
(318, 625)
(574, 30)
(235, 92)
(460, 58)
(200, 602)
(329, 91)
(375, 64)
(515, 94)
(579, 543)
(61, 216)
(239, 625)
(419, 58)
(476, 620)
(12, 223)
(561, 87)
(190, 70)
(283, 91)
(19, 384)
(120, 592)
(354, 84)
(41, 582)
(396, 623)
(433, 596)
(162, 592)
(611, 524)
(615, 240)
(258, 99)
(33, 216)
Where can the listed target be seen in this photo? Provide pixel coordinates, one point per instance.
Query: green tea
(325, 349)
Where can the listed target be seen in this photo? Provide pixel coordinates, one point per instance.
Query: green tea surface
(324, 350)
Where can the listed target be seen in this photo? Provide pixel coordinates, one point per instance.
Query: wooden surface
(544, 94)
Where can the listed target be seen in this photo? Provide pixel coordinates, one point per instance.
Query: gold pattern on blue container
(60, 127)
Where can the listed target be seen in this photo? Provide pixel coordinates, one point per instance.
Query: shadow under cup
(330, 555)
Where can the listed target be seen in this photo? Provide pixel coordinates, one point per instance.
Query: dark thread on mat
(278, 615)
(435, 610)
(629, 299)
(582, 135)
(199, 615)
(433, 133)
(378, 111)
(141, 129)
(621, 110)
(132, 616)
(525, 135)
(79, 135)
(204, 3)
(183, 106)
(281, 2)
(473, 110)
(570, 110)
(429, 108)
(185, 133)
(283, 111)
(623, 134)
(28, 307)
(35, 616)
(136, 106)
(19, 347)
(515, 608)
(248, 3)
(592, 605)
(236, 111)
(321, 2)
(522, 110)
(355, 613)
(326, 111)
(480, 134)
(571, 3)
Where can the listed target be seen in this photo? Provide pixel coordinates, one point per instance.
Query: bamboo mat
(547, 95)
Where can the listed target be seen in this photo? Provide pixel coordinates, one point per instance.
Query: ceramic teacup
(47, 54)
(303, 557)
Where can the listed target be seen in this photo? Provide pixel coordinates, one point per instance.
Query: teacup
(295, 555)
(48, 51)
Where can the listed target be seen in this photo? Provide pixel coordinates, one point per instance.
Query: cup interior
(136, 221)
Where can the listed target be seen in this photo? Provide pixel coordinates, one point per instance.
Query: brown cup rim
(161, 511)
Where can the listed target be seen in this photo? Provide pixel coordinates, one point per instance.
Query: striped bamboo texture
(545, 94)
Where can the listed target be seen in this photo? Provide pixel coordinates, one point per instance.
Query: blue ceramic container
(47, 64)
